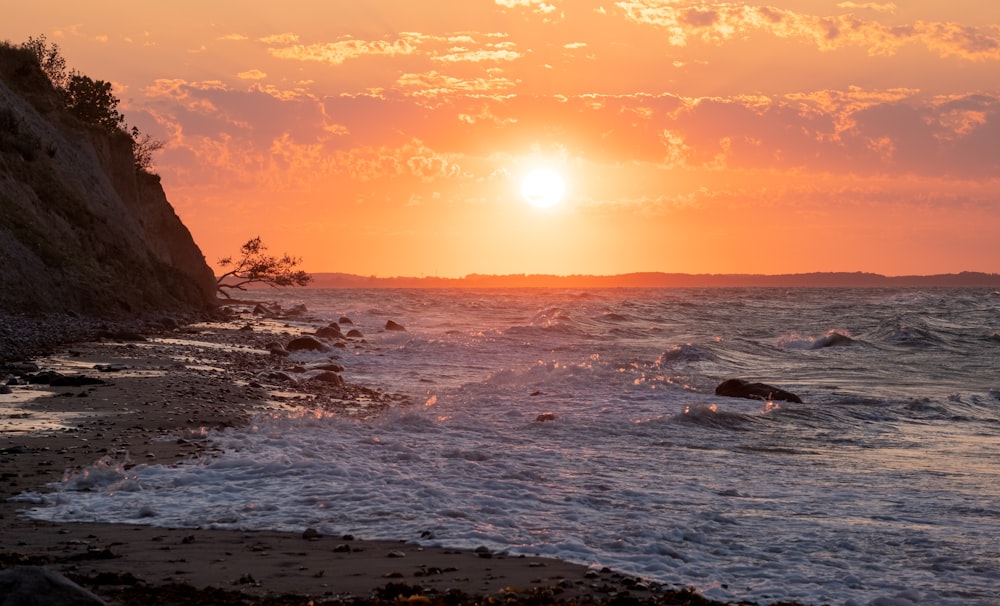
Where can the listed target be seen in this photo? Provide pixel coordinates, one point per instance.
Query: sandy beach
(150, 400)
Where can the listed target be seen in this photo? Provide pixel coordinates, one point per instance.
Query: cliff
(80, 229)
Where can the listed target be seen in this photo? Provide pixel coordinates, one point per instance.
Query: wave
(832, 338)
(685, 352)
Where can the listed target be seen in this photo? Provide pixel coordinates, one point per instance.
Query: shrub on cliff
(91, 101)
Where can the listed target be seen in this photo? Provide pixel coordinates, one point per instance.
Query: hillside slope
(80, 230)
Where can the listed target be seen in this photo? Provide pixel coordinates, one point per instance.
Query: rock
(328, 332)
(169, 323)
(276, 349)
(5, 390)
(307, 343)
(328, 376)
(738, 388)
(311, 534)
(261, 310)
(296, 310)
(355, 334)
(35, 585)
(390, 325)
(44, 377)
(345, 320)
(545, 416)
(75, 381)
(333, 367)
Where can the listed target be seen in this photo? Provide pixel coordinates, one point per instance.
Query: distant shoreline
(665, 280)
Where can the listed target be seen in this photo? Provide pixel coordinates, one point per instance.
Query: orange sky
(389, 137)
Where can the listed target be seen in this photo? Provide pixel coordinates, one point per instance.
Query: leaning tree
(255, 266)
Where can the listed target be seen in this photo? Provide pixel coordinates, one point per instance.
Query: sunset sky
(391, 137)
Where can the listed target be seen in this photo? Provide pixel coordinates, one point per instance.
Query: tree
(49, 59)
(143, 147)
(93, 102)
(254, 265)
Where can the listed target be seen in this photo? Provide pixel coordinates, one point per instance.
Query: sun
(543, 187)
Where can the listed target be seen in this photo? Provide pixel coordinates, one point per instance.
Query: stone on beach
(390, 325)
(306, 343)
(329, 332)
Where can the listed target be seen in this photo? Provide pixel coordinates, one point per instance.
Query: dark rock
(355, 334)
(306, 342)
(262, 310)
(328, 332)
(276, 349)
(333, 367)
(345, 320)
(545, 416)
(328, 376)
(44, 377)
(75, 381)
(121, 335)
(390, 325)
(246, 328)
(35, 586)
(296, 310)
(169, 324)
(311, 534)
(5, 390)
(738, 388)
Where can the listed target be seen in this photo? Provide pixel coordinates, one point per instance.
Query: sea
(584, 425)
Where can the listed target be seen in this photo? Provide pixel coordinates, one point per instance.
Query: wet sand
(157, 400)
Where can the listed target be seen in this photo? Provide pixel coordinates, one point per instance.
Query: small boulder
(328, 376)
(545, 416)
(328, 332)
(296, 310)
(276, 349)
(390, 325)
(307, 343)
(738, 388)
(354, 333)
(345, 320)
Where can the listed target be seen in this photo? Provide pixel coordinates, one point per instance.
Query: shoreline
(155, 400)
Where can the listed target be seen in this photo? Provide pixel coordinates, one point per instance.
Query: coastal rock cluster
(81, 230)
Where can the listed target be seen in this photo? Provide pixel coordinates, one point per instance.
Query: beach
(134, 399)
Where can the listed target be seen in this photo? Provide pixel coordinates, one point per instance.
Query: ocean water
(884, 484)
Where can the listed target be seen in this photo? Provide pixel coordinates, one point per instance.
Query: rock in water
(35, 585)
(306, 342)
(738, 388)
(329, 332)
(390, 325)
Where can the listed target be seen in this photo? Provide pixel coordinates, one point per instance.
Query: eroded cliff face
(80, 230)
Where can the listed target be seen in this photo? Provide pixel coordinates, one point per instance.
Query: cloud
(434, 84)
(888, 7)
(253, 74)
(496, 53)
(718, 23)
(286, 38)
(536, 6)
(336, 53)
(233, 37)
